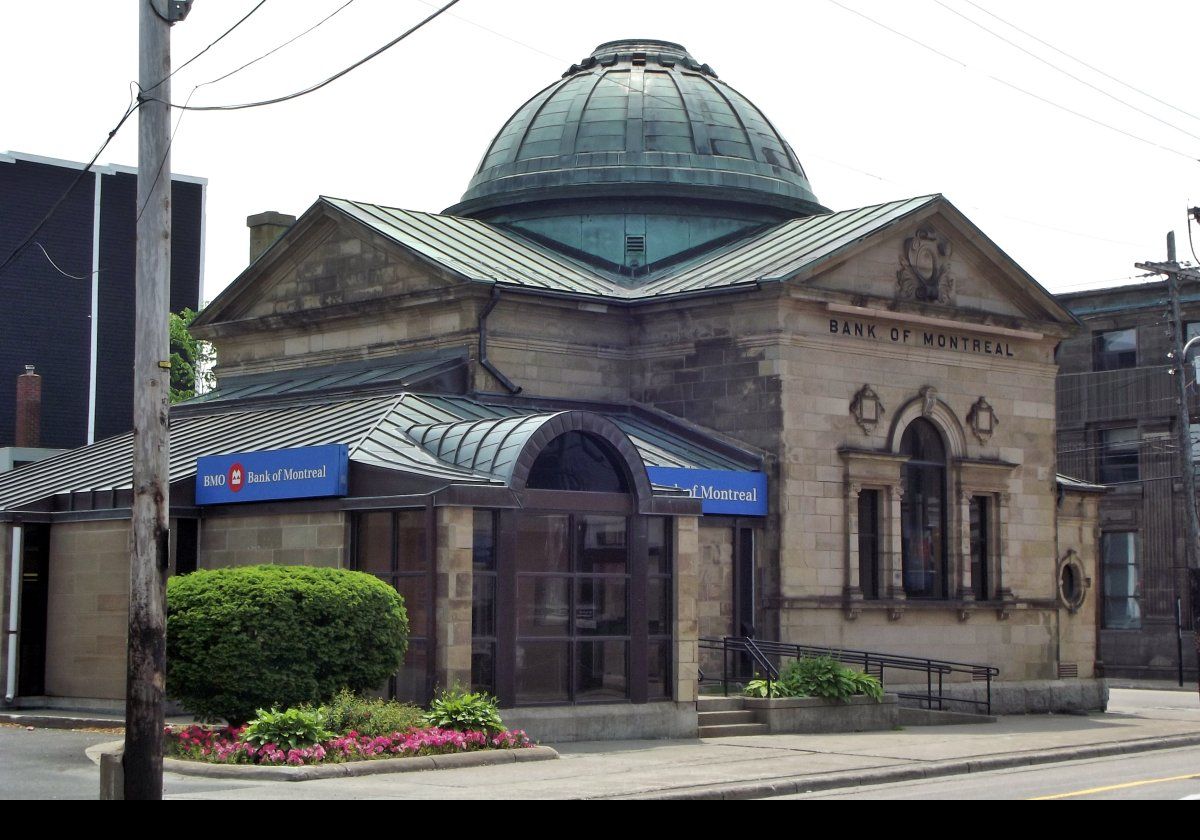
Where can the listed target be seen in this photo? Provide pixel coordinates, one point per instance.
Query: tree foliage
(191, 359)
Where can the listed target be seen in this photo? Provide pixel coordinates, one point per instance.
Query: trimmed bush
(370, 716)
(254, 637)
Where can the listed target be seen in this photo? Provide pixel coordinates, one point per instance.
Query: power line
(50, 260)
(1015, 87)
(318, 85)
(1066, 73)
(211, 44)
(1078, 60)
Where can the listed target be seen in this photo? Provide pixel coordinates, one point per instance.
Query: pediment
(326, 263)
(939, 263)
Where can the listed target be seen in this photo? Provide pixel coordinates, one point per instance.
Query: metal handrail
(760, 652)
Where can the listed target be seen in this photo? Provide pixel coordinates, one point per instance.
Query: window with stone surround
(924, 512)
(869, 547)
(1122, 580)
(1117, 455)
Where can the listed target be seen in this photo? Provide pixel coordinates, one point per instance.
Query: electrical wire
(50, 260)
(1066, 73)
(1078, 60)
(1015, 87)
(313, 88)
(25, 243)
(211, 44)
(271, 52)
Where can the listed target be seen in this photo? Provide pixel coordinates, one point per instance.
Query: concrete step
(933, 717)
(719, 704)
(725, 718)
(734, 730)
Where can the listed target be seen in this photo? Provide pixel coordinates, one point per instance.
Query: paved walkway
(763, 765)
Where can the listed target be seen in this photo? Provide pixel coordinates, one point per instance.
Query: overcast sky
(932, 103)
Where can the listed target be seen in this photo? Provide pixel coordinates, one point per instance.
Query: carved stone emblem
(866, 409)
(928, 400)
(924, 273)
(983, 420)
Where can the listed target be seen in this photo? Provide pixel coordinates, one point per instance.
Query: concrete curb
(481, 758)
(789, 785)
(62, 721)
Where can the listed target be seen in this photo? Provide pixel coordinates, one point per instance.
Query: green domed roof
(638, 119)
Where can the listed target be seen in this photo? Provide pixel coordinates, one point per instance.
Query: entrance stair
(725, 717)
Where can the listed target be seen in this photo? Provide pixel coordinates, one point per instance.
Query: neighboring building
(68, 306)
(1117, 415)
(638, 289)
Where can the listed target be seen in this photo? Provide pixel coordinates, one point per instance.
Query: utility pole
(150, 538)
(1186, 469)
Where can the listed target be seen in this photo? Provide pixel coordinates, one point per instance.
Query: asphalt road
(1162, 774)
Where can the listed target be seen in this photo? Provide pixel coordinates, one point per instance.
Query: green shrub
(818, 676)
(292, 729)
(370, 716)
(456, 709)
(256, 637)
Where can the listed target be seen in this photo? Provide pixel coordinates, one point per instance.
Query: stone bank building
(638, 387)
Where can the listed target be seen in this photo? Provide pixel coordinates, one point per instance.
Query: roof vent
(635, 244)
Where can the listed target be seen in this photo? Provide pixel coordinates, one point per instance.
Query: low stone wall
(617, 722)
(811, 715)
(1028, 697)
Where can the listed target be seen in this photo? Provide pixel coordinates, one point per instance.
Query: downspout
(508, 384)
(14, 616)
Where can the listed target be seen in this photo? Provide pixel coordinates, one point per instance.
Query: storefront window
(573, 621)
(923, 511)
(392, 546)
(1121, 581)
(660, 599)
(483, 603)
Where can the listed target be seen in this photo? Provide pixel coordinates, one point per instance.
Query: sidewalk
(744, 767)
(765, 765)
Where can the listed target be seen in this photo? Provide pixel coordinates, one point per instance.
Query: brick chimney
(265, 228)
(29, 409)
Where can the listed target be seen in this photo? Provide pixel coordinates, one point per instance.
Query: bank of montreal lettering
(304, 472)
(920, 338)
(729, 492)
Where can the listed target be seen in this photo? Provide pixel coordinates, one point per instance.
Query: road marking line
(1118, 787)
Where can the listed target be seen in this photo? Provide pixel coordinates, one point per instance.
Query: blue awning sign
(306, 472)
(727, 492)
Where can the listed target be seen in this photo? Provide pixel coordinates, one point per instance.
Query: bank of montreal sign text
(305, 472)
(728, 492)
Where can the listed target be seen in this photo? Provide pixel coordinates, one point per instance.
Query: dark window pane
(414, 589)
(543, 606)
(577, 461)
(658, 664)
(186, 545)
(542, 544)
(483, 667)
(543, 671)
(373, 543)
(410, 542)
(658, 605)
(483, 605)
(659, 560)
(923, 511)
(601, 607)
(980, 537)
(1121, 581)
(412, 680)
(868, 543)
(1118, 461)
(601, 671)
(1116, 349)
(602, 545)
(483, 545)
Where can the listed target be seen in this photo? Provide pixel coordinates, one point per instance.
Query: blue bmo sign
(306, 472)
(726, 492)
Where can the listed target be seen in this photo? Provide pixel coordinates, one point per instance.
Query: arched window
(923, 512)
(578, 461)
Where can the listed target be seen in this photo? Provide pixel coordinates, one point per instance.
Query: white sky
(871, 115)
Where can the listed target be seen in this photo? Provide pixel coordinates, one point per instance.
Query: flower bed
(224, 746)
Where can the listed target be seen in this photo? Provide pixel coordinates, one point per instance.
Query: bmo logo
(237, 477)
